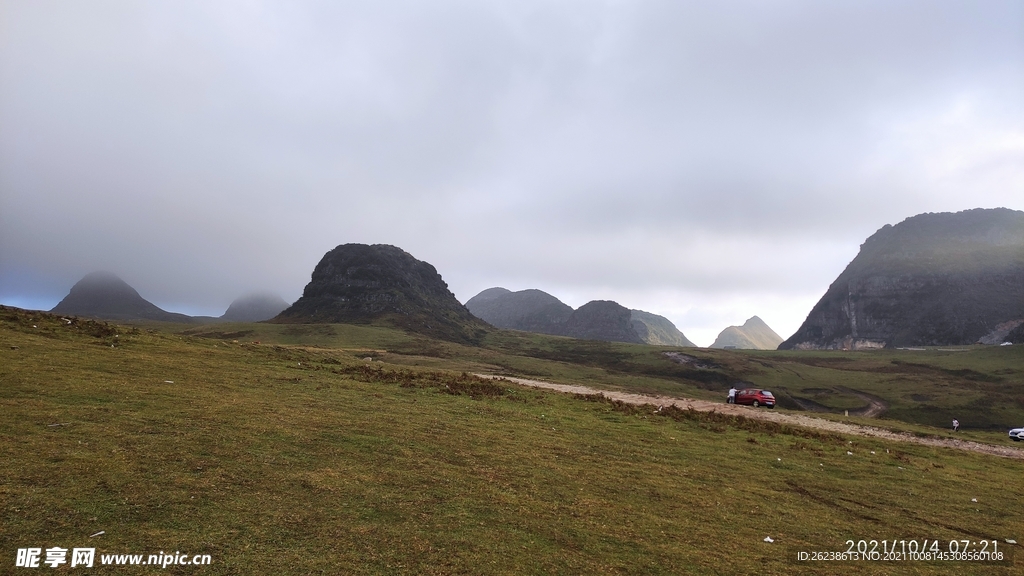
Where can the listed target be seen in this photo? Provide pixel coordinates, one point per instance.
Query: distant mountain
(933, 279)
(602, 320)
(254, 308)
(381, 284)
(658, 330)
(538, 311)
(528, 310)
(753, 335)
(103, 295)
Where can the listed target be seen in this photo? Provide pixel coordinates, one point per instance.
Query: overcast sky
(705, 161)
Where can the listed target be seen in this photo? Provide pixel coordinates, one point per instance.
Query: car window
(766, 393)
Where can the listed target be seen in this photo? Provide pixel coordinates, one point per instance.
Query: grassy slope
(299, 460)
(981, 386)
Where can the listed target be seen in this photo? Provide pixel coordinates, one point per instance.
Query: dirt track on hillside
(772, 416)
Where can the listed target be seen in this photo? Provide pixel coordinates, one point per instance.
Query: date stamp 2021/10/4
(912, 550)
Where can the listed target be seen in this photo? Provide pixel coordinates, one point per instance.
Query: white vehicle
(1017, 434)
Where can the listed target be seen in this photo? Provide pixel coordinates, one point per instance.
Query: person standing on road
(732, 396)
(956, 425)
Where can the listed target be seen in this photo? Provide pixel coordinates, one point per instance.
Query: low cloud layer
(707, 162)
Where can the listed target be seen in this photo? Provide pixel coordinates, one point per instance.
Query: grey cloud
(716, 150)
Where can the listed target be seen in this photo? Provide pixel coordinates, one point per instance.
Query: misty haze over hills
(255, 307)
(933, 279)
(106, 296)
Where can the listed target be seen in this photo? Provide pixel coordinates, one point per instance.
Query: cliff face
(931, 280)
(361, 284)
(104, 295)
(528, 310)
(753, 335)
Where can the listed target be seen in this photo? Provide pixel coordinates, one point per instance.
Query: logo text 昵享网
(86, 557)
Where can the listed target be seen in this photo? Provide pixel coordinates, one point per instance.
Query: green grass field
(981, 386)
(297, 456)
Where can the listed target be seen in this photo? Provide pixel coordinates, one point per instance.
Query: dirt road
(773, 416)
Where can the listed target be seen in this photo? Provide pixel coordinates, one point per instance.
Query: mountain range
(537, 311)
(931, 280)
(106, 296)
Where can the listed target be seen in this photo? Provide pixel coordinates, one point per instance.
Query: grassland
(981, 386)
(298, 456)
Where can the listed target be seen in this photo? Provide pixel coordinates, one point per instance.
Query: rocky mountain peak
(105, 295)
(528, 310)
(359, 283)
(754, 334)
(602, 320)
(933, 279)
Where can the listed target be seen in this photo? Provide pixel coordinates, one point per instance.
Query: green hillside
(754, 334)
(296, 455)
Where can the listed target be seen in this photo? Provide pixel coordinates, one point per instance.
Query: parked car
(755, 397)
(1017, 434)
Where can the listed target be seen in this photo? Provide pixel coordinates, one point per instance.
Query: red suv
(755, 397)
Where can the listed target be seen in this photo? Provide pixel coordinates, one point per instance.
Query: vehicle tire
(770, 407)
(756, 404)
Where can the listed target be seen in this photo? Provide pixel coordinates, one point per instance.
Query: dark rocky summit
(527, 310)
(931, 280)
(254, 308)
(103, 295)
(602, 320)
(658, 330)
(381, 284)
(753, 335)
(538, 311)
